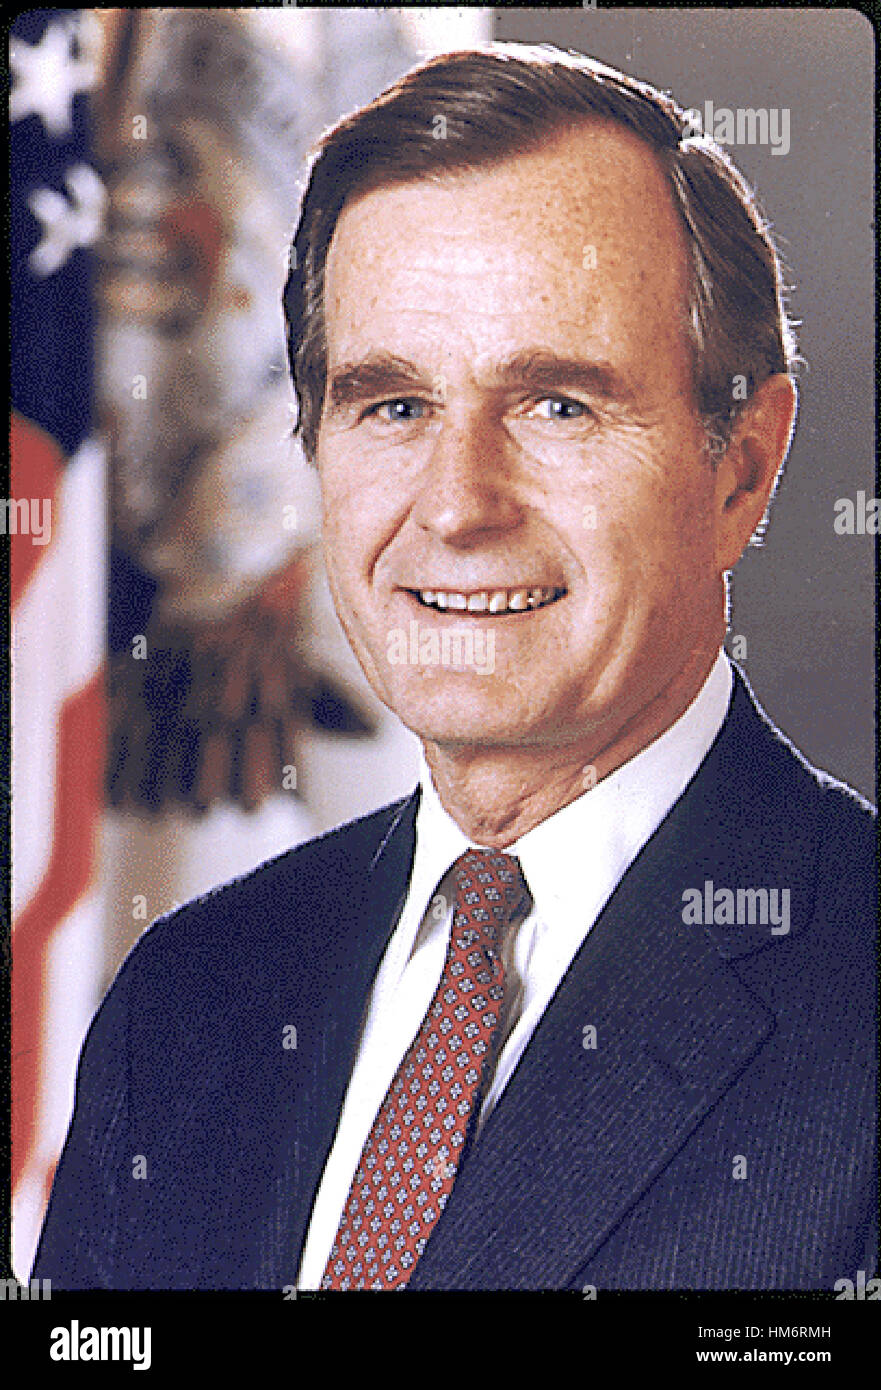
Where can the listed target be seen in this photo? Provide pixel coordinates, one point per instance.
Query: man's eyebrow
(541, 370)
(377, 374)
(532, 369)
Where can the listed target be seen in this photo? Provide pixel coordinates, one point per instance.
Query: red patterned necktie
(409, 1162)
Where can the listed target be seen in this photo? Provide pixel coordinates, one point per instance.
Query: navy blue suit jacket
(720, 1135)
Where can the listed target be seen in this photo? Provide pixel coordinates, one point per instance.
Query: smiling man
(487, 396)
(592, 1007)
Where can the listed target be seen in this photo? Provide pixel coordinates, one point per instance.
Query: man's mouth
(492, 601)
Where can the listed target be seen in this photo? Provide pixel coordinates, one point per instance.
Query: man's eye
(560, 408)
(402, 410)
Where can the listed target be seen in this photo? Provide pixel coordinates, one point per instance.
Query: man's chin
(472, 713)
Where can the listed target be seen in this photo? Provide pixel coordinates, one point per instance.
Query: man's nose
(466, 489)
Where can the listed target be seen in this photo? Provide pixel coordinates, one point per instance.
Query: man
(592, 1008)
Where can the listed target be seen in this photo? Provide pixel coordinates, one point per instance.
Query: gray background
(804, 599)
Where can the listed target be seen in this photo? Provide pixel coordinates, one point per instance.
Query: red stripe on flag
(35, 467)
(79, 772)
(48, 1181)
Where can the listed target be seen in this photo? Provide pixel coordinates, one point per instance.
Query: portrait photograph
(442, 517)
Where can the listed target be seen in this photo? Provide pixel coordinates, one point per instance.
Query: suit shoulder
(844, 815)
(252, 908)
(788, 778)
(836, 831)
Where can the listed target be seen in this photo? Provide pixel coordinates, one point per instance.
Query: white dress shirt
(572, 862)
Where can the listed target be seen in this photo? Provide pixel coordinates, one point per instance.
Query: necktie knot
(490, 892)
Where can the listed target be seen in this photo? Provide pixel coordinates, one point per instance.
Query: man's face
(509, 423)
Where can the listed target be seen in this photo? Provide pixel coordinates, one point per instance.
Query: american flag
(55, 518)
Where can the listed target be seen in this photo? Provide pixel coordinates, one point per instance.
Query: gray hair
(497, 102)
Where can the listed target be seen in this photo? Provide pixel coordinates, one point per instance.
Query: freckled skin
(482, 484)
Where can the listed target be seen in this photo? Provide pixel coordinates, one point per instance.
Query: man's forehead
(568, 228)
(470, 281)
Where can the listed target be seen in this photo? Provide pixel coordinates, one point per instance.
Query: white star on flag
(67, 225)
(46, 77)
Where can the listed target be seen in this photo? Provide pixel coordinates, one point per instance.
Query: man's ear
(748, 470)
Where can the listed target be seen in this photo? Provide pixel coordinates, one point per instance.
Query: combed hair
(499, 101)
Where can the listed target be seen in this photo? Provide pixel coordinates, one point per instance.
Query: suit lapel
(579, 1133)
(241, 1143)
(355, 912)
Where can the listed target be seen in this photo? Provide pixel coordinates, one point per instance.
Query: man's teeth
(489, 600)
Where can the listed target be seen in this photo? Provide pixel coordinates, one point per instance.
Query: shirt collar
(573, 861)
